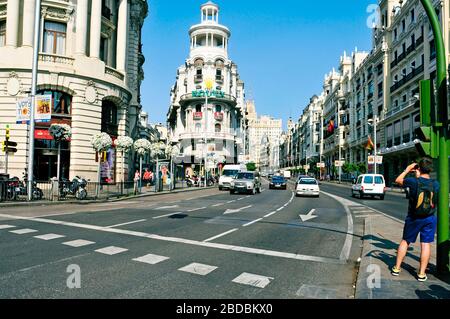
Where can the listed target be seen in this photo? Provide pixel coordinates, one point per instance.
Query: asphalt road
(200, 245)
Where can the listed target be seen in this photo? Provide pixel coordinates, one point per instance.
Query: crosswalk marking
(6, 226)
(253, 280)
(78, 243)
(198, 269)
(111, 250)
(49, 236)
(151, 259)
(23, 231)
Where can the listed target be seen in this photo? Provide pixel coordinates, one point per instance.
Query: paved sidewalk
(145, 193)
(382, 236)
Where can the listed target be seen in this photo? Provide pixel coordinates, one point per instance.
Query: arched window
(198, 128)
(109, 118)
(198, 108)
(218, 128)
(61, 102)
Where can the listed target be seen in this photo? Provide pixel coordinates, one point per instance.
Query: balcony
(407, 78)
(419, 41)
(198, 116)
(198, 78)
(370, 95)
(219, 78)
(114, 73)
(401, 57)
(57, 59)
(218, 116)
(212, 95)
(411, 48)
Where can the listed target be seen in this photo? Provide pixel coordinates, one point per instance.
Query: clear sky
(283, 49)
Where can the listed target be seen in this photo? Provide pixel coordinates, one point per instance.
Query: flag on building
(370, 145)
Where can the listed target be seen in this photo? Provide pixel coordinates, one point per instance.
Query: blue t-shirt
(413, 185)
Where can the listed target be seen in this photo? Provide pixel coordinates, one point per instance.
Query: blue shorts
(426, 227)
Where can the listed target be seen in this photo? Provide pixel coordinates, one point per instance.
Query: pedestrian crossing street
(199, 269)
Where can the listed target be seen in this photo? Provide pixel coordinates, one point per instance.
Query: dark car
(278, 182)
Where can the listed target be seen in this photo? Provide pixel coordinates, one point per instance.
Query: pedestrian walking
(421, 218)
(147, 178)
(137, 178)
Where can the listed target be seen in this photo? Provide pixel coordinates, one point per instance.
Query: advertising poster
(164, 172)
(108, 167)
(42, 112)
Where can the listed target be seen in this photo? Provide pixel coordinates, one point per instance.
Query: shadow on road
(433, 292)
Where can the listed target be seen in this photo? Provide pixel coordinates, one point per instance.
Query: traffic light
(9, 147)
(7, 133)
(427, 139)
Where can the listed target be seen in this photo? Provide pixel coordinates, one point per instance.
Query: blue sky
(283, 49)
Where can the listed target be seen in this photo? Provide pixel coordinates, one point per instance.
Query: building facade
(207, 100)
(90, 63)
(262, 128)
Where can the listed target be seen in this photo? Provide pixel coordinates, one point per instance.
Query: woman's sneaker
(395, 271)
(422, 278)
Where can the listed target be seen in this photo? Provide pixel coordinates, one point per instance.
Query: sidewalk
(145, 193)
(382, 236)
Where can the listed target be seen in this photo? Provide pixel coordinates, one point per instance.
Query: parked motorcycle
(23, 188)
(76, 187)
(192, 181)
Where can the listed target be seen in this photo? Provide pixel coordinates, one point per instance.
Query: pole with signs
(37, 28)
(375, 120)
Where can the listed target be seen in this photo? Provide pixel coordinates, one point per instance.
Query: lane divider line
(220, 235)
(129, 223)
(253, 222)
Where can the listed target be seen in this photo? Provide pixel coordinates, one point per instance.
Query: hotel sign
(208, 93)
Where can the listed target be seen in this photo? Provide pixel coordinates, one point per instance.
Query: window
(432, 50)
(54, 38)
(61, 102)
(379, 180)
(403, 25)
(217, 128)
(413, 16)
(218, 108)
(395, 34)
(368, 180)
(104, 50)
(198, 128)
(2, 33)
(198, 108)
(109, 118)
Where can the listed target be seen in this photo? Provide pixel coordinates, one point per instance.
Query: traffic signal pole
(440, 128)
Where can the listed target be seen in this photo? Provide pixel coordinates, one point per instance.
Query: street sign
(306, 167)
(372, 159)
(320, 165)
(339, 163)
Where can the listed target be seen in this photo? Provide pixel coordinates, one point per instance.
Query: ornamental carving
(57, 13)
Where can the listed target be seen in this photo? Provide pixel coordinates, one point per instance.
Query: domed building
(207, 100)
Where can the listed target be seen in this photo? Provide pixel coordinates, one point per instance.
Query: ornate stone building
(90, 62)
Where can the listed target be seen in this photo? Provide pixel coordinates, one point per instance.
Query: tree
(251, 167)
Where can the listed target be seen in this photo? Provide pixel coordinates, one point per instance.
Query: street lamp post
(374, 122)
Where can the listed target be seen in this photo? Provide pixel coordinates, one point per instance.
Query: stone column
(81, 25)
(96, 26)
(122, 33)
(28, 22)
(12, 23)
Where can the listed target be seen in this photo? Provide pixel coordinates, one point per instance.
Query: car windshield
(308, 181)
(230, 172)
(379, 180)
(245, 176)
(278, 179)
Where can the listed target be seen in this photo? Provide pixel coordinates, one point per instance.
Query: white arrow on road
(234, 211)
(309, 216)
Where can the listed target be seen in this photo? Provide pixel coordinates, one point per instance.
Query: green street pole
(442, 134)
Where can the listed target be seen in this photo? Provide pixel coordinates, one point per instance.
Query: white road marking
(196, 209)
(234, 211)
(110, 251)
(253, 222)
(78, 243)
(151, 259)
(253, 280)
(167, 215)
(23, 231)
(231, 201)
(241, 198)
(198, 269)
(345, 253)
(365, 216)
(221, 235)
(167, 207)
(309, 216)
(254, 251)
(270, 214)
(6, 226)
(217, 205)
(129, 223)
(49, 236)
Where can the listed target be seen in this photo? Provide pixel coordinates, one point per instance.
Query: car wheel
(254, 191)
(259, 190)
(382, 197)
(220, 188)
(361, 195)
(353, 194)
(231, 192)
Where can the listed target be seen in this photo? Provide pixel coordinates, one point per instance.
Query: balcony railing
(407, 78)
(198, 116)
(419, 41)
(52, 58)
(114, 73)
(401, 57)
(394, 63)
(189, 97)
(198, 78)
(218, 116)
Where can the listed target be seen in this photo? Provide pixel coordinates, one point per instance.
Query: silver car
(246, 182)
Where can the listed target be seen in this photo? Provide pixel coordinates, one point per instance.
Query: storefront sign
(208, 93)
(42, 135)
(379, 160)
(42, 112)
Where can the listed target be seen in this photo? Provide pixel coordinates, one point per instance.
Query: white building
(90, 62)
(259, 129)
(208, 74)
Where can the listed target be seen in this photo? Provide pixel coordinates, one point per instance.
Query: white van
(369, 185)
(228, 173)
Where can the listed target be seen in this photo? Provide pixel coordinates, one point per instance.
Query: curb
(111, 200)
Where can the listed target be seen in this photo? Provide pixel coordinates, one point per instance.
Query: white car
(369, 185)
(228, 173)
(307, 187)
